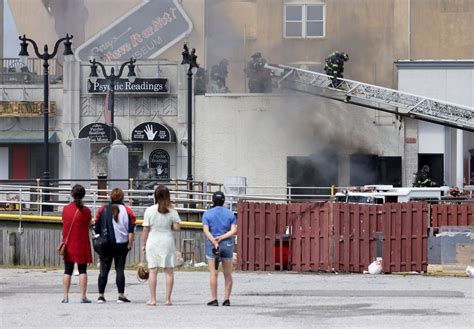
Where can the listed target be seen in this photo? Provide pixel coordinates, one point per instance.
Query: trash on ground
(376, 266)
(470, 271)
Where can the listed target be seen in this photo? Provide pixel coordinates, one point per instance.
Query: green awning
(26, 137)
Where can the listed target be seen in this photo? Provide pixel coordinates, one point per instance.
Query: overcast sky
(11, 44)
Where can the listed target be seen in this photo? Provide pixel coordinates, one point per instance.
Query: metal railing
(13, 71)
(26, 196)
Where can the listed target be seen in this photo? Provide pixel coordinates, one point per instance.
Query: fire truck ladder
(374, 97)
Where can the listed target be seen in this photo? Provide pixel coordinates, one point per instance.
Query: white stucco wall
(251, 135)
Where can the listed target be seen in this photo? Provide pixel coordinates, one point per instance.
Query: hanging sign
(98, 133)
(139, 86)
(153, 132)
(159, 160)
(144, 32)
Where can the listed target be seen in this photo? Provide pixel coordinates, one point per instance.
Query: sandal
(65, 301)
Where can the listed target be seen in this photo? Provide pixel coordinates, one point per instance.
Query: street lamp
(112, 78)
(45, 56)
(189, 60)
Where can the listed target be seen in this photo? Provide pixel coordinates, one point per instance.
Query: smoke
(69, 17)
(231, 39)
(332, 127)
(330, 142)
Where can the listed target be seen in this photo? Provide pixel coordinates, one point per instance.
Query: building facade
(272, 139)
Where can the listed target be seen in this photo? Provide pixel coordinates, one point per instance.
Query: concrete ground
(31, 298)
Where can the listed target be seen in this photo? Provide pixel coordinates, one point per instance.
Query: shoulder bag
(100, 242)
(61, 248)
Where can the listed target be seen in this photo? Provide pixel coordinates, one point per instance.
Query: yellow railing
(34, 218)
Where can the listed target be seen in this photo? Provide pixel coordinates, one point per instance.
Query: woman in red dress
(78, 248)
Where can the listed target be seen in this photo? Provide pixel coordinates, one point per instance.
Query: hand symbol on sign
(159, 170)
(150, 134)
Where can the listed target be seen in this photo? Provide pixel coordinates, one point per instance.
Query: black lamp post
(189, 59)
(112, 78)
(45, 56)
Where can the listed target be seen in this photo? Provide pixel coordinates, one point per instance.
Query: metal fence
(29, 199)
(27, 196)
(14, 71)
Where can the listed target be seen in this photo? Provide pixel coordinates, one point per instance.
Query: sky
(11, 44)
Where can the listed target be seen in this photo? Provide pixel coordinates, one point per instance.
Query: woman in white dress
(158, 241)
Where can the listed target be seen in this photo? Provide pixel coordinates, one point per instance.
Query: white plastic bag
(376, 266)
(470, 271)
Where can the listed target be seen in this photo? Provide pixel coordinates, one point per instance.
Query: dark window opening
(306, 172)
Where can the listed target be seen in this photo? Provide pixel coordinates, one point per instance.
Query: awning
(26, 137)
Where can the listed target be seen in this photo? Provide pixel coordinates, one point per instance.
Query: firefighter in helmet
(335, 66)
(422, 178)
(260, 79)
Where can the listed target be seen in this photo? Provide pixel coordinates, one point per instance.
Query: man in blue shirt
(219, 225)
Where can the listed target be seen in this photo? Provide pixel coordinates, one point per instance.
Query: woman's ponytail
(78, 193)
(116, 196)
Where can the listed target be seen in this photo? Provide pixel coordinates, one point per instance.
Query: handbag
(142, 273)
(61, 248)
(100, 242)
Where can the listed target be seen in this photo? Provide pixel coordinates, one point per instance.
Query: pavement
(31, 298)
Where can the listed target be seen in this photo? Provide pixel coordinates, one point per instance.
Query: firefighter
(422, 178)
(260, 79)
(335, 66)
(201, 80)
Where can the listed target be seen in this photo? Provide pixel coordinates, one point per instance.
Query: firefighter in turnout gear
(260, 78)
(335, 66)
(422, 178)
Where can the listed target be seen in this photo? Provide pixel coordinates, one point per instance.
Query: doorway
(436, 163)
(20, 161)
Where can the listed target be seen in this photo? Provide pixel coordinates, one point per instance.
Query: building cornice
(435, 64)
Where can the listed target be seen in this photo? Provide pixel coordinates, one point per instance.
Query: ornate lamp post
(189, 59)
(45, 56)
(112, 78)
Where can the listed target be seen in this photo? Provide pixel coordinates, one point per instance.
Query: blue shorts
(226, 246)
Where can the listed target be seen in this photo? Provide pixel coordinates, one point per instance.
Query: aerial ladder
(377, 98)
